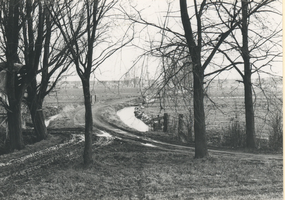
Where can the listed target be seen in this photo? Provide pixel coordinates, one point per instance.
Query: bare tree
(10, 25)
(257, 50)
(44, 58)
(33, 37)
(27, 28)
(204, 35)
(84, 26)
(198, 69)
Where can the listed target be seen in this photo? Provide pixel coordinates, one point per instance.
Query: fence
(220, 116)
(175, 125)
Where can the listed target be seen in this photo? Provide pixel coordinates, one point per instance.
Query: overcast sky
(154, 11)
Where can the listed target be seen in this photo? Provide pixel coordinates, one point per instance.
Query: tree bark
(35, 104)
(39, 122)
(38, 118)
(14, 92)
(249, 111)
(87, 155)
(199, 114)
(15, 137)
(14, 116)
(198, 87)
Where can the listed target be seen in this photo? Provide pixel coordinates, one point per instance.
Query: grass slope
(124, 170)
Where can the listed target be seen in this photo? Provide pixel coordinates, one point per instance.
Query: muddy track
(22, 166)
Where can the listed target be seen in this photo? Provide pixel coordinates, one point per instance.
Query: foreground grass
(124, 170)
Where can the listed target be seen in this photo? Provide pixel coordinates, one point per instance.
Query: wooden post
(190, 136)
(180, 125)
(165, 122)
(158, 120)
(93, 99)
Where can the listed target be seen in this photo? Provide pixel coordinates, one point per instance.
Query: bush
(276, 132)
(234, 135)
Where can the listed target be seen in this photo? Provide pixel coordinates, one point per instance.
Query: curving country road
(133, 136)
(21, 164)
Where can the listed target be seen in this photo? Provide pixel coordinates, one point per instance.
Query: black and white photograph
(141, 100)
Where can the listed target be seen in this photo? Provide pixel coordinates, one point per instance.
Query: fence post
(180, 125)
(165, 122)
(190, 135)
(93, 99)
(158, 120)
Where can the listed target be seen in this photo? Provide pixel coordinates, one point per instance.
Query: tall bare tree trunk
(87, 155)
(14, 92)
(198, 87)
(81, 42)
(14, 116)
(199, 114)
(35, 105)
(249, 111)
(39, 122)
(15, 138)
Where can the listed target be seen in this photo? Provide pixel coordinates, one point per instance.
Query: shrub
(276, 132)
(234, 135)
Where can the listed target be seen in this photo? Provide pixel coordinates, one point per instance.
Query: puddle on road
(108, 135)
(148, 145)
(105, 134)
(50, 119)
(127, 116)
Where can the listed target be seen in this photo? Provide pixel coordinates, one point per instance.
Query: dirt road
(134, 136)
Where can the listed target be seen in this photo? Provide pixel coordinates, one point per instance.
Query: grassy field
(224, 107)
(75, 95)
(124, 170)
